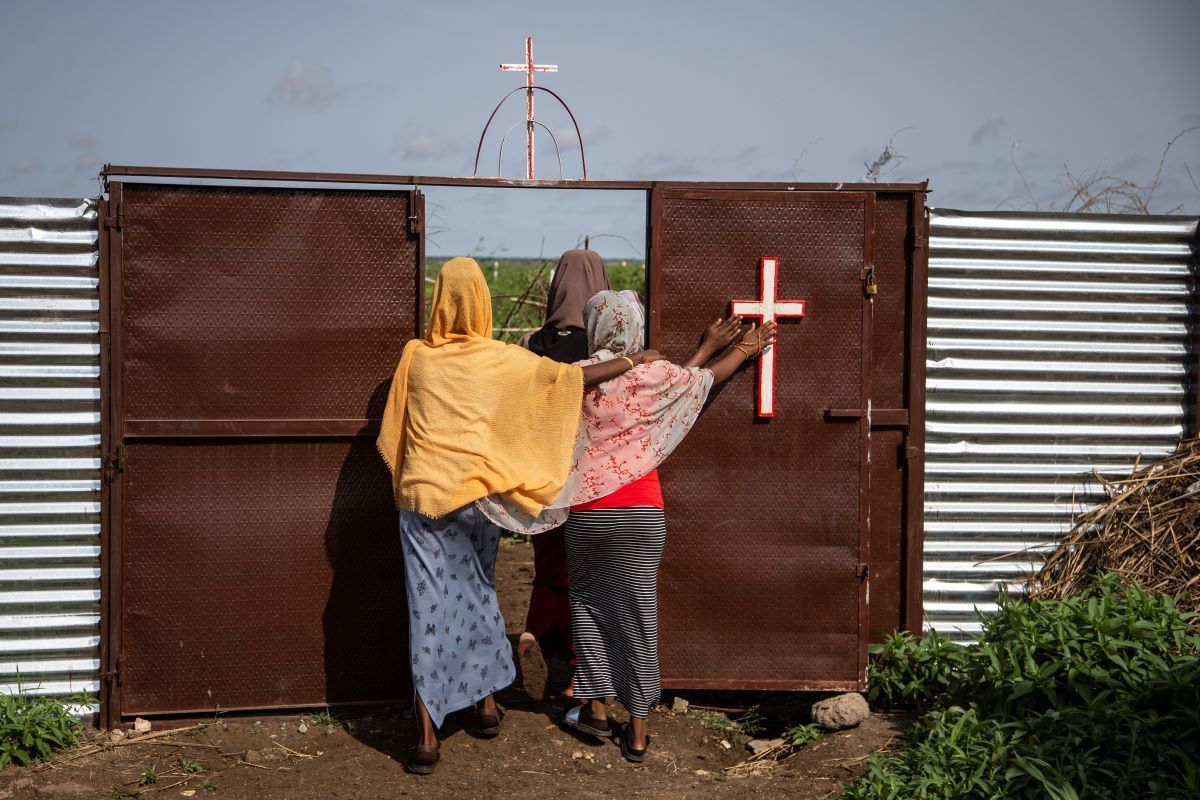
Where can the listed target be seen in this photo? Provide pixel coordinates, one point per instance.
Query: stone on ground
(841, 712)
(757, 746)
(679, 705)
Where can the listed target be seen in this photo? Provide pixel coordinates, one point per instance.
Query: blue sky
(672, 90)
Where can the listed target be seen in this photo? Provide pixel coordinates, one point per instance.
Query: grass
(749, 724)
(520, 286)
(326, 719)
(149, 776)
(192, 767)
(206, 785)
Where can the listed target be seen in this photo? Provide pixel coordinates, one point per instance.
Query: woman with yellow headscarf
(468, 418)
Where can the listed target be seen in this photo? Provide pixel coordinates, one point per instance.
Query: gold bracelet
(746, 351)
(630, 360)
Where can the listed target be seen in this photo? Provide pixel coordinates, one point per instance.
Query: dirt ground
(364, 756)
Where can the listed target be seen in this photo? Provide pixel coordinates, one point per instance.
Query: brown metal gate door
(761, 585)
(252, 555)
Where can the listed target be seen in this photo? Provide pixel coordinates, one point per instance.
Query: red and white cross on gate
(529, 68)
(768, 309)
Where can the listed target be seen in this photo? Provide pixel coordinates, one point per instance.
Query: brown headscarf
(579, 276)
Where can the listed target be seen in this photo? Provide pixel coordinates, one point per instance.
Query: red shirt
(645, 491)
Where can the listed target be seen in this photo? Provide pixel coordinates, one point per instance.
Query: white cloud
(305, 87)
(422, 144)
(567, 140)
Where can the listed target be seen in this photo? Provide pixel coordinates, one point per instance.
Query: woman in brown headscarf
(579, 276)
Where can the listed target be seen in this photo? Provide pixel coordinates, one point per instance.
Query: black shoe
(636, 756)
(576, 720)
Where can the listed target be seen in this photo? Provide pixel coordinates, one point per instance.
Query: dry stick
(154, 735)
(268, 769)
(294, 752)
(176, 744)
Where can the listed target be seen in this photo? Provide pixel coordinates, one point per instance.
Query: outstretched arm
(607, 370)
(717, 337)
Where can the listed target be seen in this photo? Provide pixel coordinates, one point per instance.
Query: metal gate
(250, 334)
(764, 584)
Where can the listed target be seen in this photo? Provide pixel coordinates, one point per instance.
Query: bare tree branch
(889, 154)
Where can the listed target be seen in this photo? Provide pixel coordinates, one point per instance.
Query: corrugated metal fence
(49, 446)
(1058, 344)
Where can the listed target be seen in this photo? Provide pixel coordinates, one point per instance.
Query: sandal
(576, 720)
(630, 754)
(424, 759)
(488, 724)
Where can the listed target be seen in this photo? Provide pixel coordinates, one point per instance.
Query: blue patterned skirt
(459, 653)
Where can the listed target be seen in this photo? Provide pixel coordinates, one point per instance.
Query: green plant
(909, 672)
(32, 727)
(192, 767)
(800, 735)
(1086, 649)
(206, 785)
(749, 724)
(1097, 694)
(148, 776)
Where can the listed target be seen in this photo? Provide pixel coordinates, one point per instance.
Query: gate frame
(917, 251)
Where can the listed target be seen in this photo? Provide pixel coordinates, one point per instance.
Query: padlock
(871, 287)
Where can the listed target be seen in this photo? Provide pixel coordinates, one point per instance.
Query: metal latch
(113, 463)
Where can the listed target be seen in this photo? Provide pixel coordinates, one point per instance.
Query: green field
(519, 287)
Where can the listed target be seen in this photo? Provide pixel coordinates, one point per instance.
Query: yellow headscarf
(469, 416)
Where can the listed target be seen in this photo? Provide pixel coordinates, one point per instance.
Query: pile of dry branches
(1147, 531)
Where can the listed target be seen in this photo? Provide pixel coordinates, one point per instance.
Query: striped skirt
(613, 556)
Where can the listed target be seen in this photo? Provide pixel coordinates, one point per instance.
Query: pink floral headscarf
(629, 425)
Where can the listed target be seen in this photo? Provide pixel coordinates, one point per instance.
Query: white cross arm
(524, 67)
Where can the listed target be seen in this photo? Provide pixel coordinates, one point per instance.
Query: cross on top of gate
(529, 68)
(768, 309)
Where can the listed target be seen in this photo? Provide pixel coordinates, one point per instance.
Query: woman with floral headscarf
(470, 417)
(616, 529)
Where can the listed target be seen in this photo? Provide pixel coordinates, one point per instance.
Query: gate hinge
(920, 241)
(862, 570)
(114, 462)
(114, 218)
(911, 452)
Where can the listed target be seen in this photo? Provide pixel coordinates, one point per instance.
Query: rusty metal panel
(1059, 344)
(261, 574)
(760, 584)
(252, 538)
(262, 304)
(890, 364)
(49, 446)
